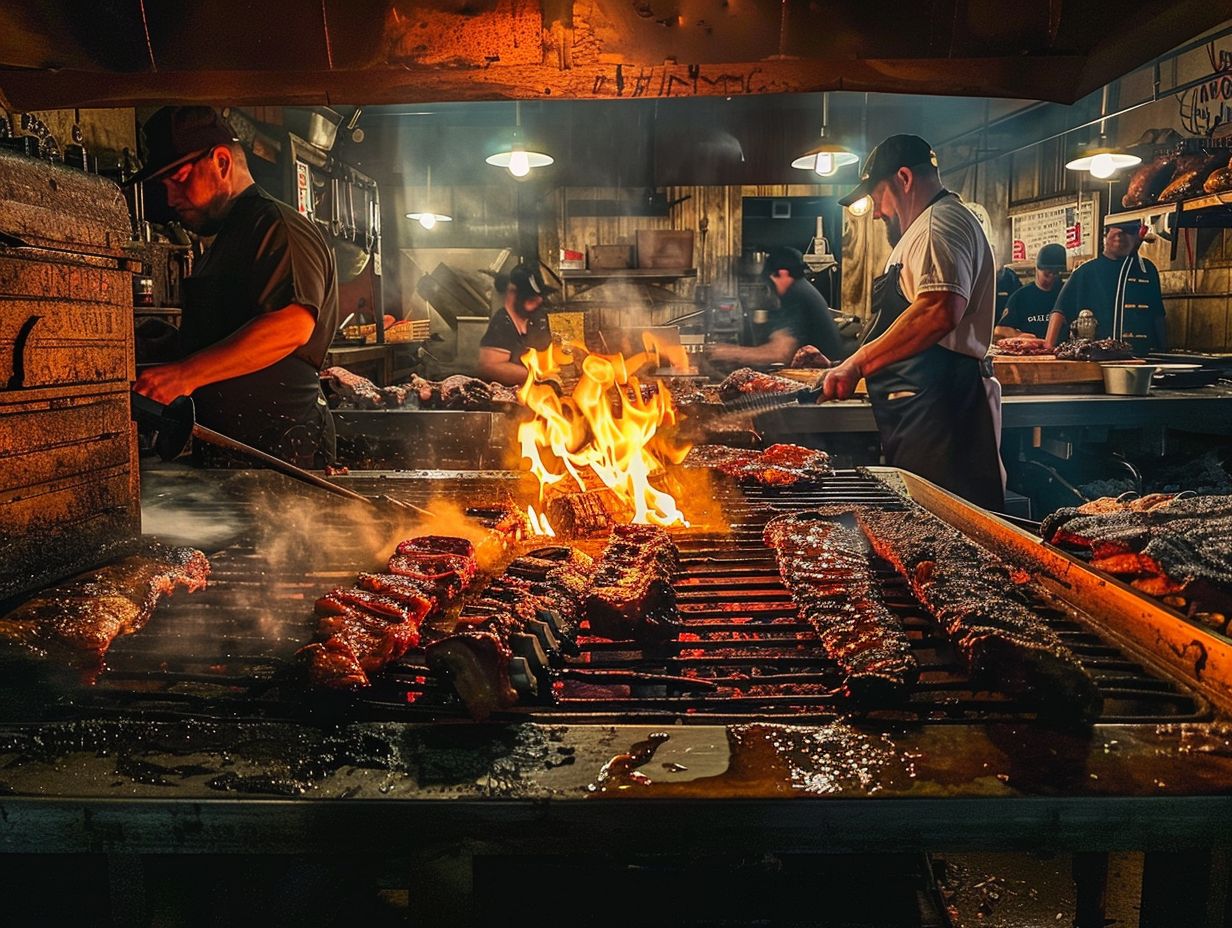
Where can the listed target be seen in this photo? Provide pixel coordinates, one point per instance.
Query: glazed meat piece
(1191, 174)
(826, 567)
(631, 595)
(477, 661)
(462, 392)
(746, 381)
(412, 593)
(395, 396)
(810, 357)
(77, 621)
(357, 392)
(1220, 180)
(972, 596)
(445, 564)
(1149, 181)
(437, 544)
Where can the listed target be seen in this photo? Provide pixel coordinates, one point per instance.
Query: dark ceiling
(57, 53)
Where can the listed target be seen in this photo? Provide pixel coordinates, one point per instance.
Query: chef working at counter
(1028, 309)
(803, 318)
(1121, 288)
(937, 405)
(260, 307)
(518, 325)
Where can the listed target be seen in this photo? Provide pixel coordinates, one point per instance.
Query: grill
(743, 654)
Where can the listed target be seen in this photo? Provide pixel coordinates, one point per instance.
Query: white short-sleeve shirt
(946, 249)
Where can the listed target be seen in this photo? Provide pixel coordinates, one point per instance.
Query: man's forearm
(510, 373)
(256, 345)
(1056, 323)
(920, 326)
(1005, 331)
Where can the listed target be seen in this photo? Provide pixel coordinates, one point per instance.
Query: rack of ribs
(826, 567)
(365, 628)
(529, 613)
(78, 620)
(780, 465)
(631, 594)
(746, 381)
(976, 599)
(1166, 546)
(358, 392)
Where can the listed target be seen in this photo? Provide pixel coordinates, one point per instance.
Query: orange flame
(588, 433)
(539, 524)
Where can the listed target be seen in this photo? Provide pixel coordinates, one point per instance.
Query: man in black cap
(260, 307)
(923, 357)
(1028, 309)
(802, 319)
(519, 325)
(1121, 288)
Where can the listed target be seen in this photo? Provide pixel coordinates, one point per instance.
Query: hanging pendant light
(516, 159)
(825, 158)
(429, 219)
(1101, 161)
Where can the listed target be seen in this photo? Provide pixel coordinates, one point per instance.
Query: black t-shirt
(1007, 285)
(503, 334)
(266, 257)
(804, 314)
(1094, 286)
(1029, 308)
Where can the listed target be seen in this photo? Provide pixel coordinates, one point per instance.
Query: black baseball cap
(898, 151)
(783, 259)
(176, 134)
(1051, 258)
(528, 283)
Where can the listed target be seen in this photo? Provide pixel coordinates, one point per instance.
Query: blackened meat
(76, 622)
(462, 392)
(631, 594)
(972, 596)
(746, 381)
(358, 392)
(1099, 349)
(810, 357)
(826, 567)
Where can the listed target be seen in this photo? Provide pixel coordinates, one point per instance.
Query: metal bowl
(1128, 379)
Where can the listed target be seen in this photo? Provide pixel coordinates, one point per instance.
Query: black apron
(944, 430)
(279, 409)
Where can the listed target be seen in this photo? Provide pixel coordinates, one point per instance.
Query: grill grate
(743, 654)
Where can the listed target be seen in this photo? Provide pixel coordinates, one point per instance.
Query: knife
(177, 421)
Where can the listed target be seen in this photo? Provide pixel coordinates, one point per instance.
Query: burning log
(588, 512)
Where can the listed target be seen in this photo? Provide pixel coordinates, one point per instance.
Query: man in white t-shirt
(937, 405)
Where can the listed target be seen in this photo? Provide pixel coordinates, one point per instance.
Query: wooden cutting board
(1045, 370)
(809, 375)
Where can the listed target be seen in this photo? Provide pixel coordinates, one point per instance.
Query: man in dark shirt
(261, 306)
(803, 318)
(1121, 288)
(517, 326)
(1028, 309)
(1007, 285)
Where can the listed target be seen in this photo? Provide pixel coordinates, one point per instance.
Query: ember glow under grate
(743, 653)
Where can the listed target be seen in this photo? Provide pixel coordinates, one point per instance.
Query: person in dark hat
(923, 355)
(803, 318)
(1121, 288)
(261, 305)
(1029, 308)
(520, 324)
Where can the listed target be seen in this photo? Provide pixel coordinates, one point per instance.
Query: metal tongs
(763, 402)
(176, 422)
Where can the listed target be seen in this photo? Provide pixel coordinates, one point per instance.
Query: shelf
(629, 273)
(1192, 205)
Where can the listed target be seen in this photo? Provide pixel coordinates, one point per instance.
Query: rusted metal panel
(53, 206)
(50, 342)
(53, 440)
(43, 275)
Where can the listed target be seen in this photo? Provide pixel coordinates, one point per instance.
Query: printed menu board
(1071, 223)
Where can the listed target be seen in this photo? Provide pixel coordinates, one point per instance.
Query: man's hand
(164, 383)
(722, 352)
(840, 382)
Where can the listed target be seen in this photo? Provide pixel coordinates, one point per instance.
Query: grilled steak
(446, 573)
(746, 381)
(971, 595)
(77, 621)
(631, 594)
(1100, 349)
(826, 567)
(1023, 346)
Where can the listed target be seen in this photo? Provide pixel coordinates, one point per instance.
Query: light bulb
(825, 165)
(861, 206)
(1103, 166)
(428, 220)
(519, 164)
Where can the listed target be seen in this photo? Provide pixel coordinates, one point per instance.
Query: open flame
(604, 430)
(539, 524)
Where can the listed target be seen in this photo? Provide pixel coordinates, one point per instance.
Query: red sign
(1019, 250)
(1073, 235)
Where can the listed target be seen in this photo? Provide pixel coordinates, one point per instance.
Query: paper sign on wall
(1065, 223)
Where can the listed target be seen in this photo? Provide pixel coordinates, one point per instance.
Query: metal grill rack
(744, 654)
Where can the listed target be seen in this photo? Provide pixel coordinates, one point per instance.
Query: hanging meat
(1149, 181)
